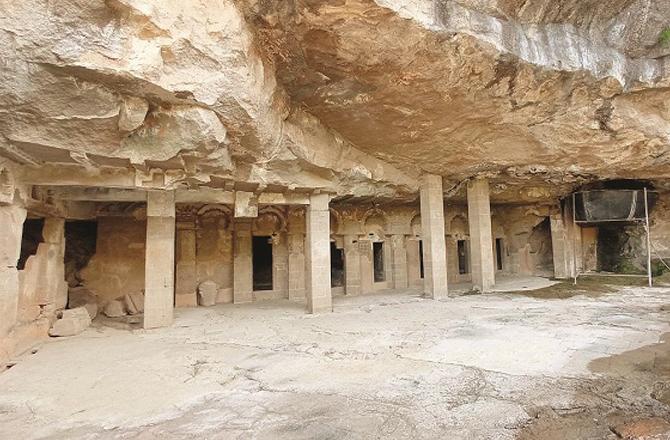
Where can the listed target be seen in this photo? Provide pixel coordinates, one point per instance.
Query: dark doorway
(421, 259)
(336, 266)
(462, 257)
(80, 241)
(378, 259)
(540, 247)
(499, 253)
(262, 263)
(621, 248)
(30, 240)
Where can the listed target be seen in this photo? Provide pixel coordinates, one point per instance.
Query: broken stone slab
(70, 322)
(80, 296)
(134, 303)
(114, 309)
(207, 293)
(138, 301)
(130, 307)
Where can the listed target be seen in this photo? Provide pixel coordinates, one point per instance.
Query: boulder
(207, 293)
(82, 297)
(114, 309)
(70, 322)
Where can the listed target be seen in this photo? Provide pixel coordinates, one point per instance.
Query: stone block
(130, 307)
(114, 309)
(82, 297)
(70, 322)
(137, 300)
(207, 293)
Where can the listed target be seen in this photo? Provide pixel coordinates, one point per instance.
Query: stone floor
(388, 365)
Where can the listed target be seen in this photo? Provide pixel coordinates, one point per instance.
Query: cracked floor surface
(389, 365)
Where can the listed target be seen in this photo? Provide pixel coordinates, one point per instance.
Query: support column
(186, 277)
(159, 270)
(319, 298)
(352, 265)
(11, 231)
(559, 247)
(243, 275)
(432, 234)
(296, 266)
(481, 240)
(399, 261)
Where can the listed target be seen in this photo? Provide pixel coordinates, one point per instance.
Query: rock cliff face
(357, 97)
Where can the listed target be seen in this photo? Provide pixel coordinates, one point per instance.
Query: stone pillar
(186, 269)
(243, 275)
(11, 230)
(560, 248)
(296, 266)
(413, 262)
(399, 262)
(432, 235)
(280, 264)
(159, 268)
(319, 298)
(53, 289)
(568, 237)
(352, 266)
(481, 239)
(367, 266)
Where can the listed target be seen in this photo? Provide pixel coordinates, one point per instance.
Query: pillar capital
(160, 204)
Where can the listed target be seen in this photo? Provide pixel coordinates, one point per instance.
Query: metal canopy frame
(644, 221)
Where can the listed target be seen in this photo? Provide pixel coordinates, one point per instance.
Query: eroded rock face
(357, 97)
(527, 92)
(177, 86)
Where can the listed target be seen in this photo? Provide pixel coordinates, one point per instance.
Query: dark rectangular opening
(336, 266)
(262, 263)
(30, 240)
(378, 259)
(462, 257)
(81, 237)
(420, 258)
(499, 253)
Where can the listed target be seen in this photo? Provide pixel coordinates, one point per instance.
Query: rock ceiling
(358, 97)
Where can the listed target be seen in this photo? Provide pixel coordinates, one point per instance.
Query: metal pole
(646, 221)
(574, 238)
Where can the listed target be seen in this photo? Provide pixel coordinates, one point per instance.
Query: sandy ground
(389, 365)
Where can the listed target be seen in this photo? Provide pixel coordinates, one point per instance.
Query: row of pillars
(160, 258)
(160, 250)
(433, 236)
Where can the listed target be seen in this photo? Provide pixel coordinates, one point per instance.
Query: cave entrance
(541, 248)
(262, 262)
(420, 259)
(378, 260)
(30, 239)
(621, 249)
(336, 266)
(499, 253)
(81, 237)
(463, 258)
